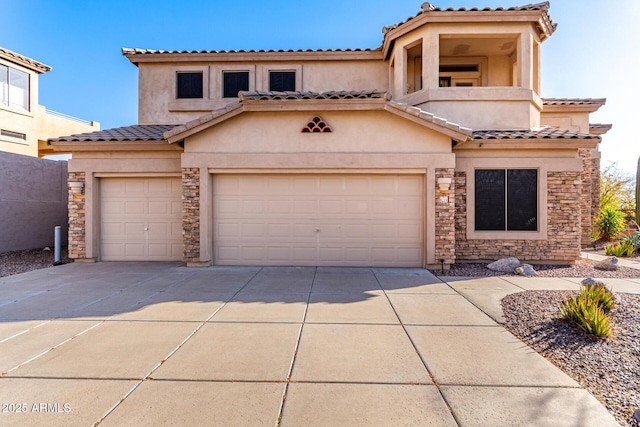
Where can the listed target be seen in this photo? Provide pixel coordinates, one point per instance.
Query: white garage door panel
(350, 220)
(141, 219)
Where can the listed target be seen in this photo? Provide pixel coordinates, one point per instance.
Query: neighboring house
(25, 125)
(432, 149)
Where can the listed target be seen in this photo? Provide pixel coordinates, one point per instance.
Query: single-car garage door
(318, 220)
(141, 219)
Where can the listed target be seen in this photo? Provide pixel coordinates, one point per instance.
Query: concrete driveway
(159, 344)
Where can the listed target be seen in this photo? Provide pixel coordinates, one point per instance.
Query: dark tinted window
(522, 199)
(490, 199)
(189, 85)
(282, 81)
(506, 199)
(234, 82)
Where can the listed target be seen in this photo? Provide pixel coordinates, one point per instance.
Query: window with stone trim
(506, 199)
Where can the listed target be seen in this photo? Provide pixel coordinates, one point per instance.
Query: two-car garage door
(330, 220)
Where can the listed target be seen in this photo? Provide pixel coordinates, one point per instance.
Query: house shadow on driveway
(172, 292)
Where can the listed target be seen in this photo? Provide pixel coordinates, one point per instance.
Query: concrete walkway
(159, 344)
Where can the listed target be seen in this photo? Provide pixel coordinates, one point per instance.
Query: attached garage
(318, 219)
(141, 219)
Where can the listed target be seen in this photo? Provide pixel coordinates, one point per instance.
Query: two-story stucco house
(25, 125)
(432, 149)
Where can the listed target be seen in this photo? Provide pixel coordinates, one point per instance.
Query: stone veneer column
(564, 230)
(445, 221)
(191, 214)
(77, 220)
(460, 182)
(595, 188)
(586, 198)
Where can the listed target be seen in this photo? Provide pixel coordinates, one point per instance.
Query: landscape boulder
(505, 265)
(525, 270)
(590, 281)
(609, 264)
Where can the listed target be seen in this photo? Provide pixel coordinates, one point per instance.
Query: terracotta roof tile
(429, 8)
(574, 101)
(264, 96)
(23, 60)
(126, 133)
(138, 51)
(429, 117)
(545, 132)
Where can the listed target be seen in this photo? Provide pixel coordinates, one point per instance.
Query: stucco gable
(313, 101)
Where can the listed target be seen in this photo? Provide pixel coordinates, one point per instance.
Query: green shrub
(610, 223)
(623, 249)
(588, 310)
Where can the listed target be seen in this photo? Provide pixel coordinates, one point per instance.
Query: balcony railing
(65, 116)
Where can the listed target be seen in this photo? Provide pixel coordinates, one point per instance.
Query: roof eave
(528, 144)
(76, 146)
(24, 61)
(333, 55)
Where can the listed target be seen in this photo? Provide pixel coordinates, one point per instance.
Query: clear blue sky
(594, 52)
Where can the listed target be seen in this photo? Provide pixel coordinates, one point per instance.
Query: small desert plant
(610, 223)
(633, 239)
(587, 316)
(623, 249)
(600, 294)
(594, 234)
(588, 310)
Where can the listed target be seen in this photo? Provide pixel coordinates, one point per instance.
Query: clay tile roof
(573, 101)
(429, 8)
(545, 132)
(137, 51)
(24, 61)
(122, 134)
(429, 117)
(268, 96)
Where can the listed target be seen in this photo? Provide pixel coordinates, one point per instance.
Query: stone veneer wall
(587, 197)
(191, 213)
(595, 188)
(564, 194)
(445, 228)
(77, 228)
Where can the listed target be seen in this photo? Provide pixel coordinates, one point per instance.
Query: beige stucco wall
(353, 132)
(157, 102)
(21, 121)
(37, 124)
(577, 121)
(508, 99)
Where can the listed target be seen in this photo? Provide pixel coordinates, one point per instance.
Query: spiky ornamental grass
(588, 311)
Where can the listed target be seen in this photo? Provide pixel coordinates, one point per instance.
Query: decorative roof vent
(317, 125)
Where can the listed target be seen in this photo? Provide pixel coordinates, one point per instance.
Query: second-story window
(14, 88)
(282, 81)
(234, 82)
(189, 85)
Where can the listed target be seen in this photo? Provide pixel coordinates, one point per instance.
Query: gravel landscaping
(583, 268)
(16, 262)
(608, 368)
